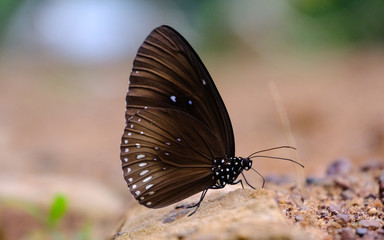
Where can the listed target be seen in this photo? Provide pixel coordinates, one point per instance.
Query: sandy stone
(347, 234)
(370, 223)
(225, 214)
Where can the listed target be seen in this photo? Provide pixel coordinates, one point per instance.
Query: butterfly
(178, 139)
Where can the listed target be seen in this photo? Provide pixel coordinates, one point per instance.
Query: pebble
(372, 211)
(372, 165)
(342, 182)
(347, 233)
(381, 187)
(339, 166)
(347, 194)
(361, 231)
(298, 218)
(371, 224)
(343, 219)
(313, 180)
(334, 208)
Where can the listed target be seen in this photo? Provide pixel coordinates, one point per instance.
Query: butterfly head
(246, 163)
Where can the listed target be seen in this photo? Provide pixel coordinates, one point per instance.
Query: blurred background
(64, 73)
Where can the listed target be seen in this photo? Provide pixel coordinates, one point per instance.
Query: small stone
(339, 166)
(372, 165)
(377, 203)
(323, 213)
(343, 219)
(381, 187)
(334, 208)
(371, 224)
(298, 218)
(342, 182)
(347, 233)
(347, 194)
(314, 181)
(372, 211)
(361, 231)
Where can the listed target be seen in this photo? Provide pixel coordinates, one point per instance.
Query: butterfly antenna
(270, 149)
(279, 158)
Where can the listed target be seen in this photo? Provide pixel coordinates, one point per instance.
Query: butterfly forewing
(176, 122)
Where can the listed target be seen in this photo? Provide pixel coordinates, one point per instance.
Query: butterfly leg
(197, 205)
(250, 184)
(239, 181)
(262, 186)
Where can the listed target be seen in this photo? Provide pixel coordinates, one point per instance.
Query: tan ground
(60, 127)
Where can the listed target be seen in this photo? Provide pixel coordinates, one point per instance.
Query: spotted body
(227, 170)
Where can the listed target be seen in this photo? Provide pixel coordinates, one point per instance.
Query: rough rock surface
(224, 214)
(346, 204)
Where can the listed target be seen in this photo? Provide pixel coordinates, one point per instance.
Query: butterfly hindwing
(176, 122)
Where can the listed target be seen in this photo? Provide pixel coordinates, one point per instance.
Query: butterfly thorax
(227, 170)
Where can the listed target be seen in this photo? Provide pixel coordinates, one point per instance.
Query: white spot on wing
(190, 102)
(140, 156)
(127, 150)
(137, 192)
(204, 83)
(179, 139)
(125, 159)
(128, 170)
(130, 179)
(134, 186)
(144, 172)
(129, 134)
(138, 145)
(142, 164)
(147, 179)
(151, 193)
(169, 144)
(148, 186)
(148, 203)
(173, 98)
(125, 141)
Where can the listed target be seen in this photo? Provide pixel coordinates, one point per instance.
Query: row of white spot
(173, 98)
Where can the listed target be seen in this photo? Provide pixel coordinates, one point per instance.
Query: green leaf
(58, 210)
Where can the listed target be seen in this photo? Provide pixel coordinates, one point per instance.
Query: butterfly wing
(176, 122)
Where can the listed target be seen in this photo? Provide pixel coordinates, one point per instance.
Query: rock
(347, 234)
(334, 208)
(372, 211)
(342, 182)
(347, 194)
(225, 214)
(372, 165)
(339, 166)
(342, 219)
(381, 187)
(371, 224)
(298, 218)
(361, 231)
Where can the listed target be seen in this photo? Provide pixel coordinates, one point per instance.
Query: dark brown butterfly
(178, 138)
